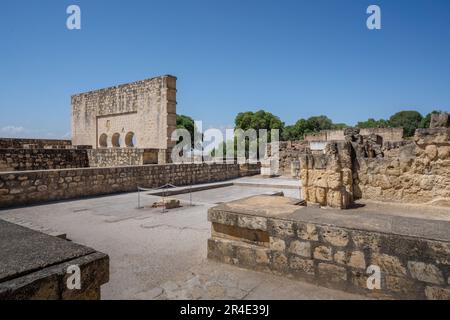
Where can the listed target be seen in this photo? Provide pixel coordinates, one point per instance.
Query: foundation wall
(335, 257)
(29, 187)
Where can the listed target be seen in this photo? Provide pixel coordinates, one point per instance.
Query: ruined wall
(363, 167)
(327, 178)
(289, 154)
(13, 143)
(418, 172)
(143, 109)
(28, 187)
(42, 159)
(388, 134)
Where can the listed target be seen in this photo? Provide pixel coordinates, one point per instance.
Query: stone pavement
(149, 248)
(214, 281)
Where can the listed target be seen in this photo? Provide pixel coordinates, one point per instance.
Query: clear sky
(293, 58)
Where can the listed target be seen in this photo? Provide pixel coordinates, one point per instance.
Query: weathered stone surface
(114, 112)
(323, 253)
(437, 293)
(34, 265)
(440, 120)
(258, 223)
(353, 259)
(389, 264)
(403, 286)
(332, 273)
(425, 272)
(307, 231)
(335, 236)
(298, 264)
(280, 262)
(281, 228)
(277, 244)
(300, 248)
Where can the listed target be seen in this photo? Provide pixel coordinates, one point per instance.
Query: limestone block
(353, 259)
(252, 222)
(334, 199)
(332, 273)
(298, 264)
(437, 293)
(281, 228)
(335, 236)
(277, 244)
(300, 248)
(323, 253)
(321, 196)
(425, 272)
(307, 232)
(389, 264)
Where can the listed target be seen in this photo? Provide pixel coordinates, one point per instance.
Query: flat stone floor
(162, 255)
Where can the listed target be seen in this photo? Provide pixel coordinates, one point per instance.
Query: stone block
(332, 273)
(323, 253)
(389, 264)
(298, 264)
(426, 272)
(302, 249)
(335, 236)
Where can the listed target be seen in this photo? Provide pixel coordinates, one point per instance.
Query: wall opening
(103, 140)
(115, 140)
(130, 140)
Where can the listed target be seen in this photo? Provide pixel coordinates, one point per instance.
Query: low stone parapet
(30, 187)
(335, 249)
(36, 266)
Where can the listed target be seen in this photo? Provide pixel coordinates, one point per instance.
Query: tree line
(409, 120)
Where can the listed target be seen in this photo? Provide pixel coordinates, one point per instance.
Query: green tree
(372, 123)
(310, 125)
(258, 120)
(409, 120)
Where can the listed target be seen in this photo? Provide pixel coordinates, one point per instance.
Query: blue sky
(293, 58)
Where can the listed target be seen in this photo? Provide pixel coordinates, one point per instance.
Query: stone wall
(117, 157)
(327, 178)
(418, 172)
(13, 143)
(289, 157)
(409, 171)
(29, 187)
(285, 242)
(42, 159)
(140, 114)
(387, 134)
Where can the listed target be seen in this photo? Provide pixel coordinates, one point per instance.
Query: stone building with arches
(136, 118)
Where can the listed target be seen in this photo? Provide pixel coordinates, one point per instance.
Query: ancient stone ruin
(366, 167)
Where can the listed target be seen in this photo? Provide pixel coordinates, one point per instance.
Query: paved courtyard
(162, 255)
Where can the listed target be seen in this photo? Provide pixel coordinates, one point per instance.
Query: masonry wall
(408, 171)
(335, 257)
(289, 154)
(388, 134)
(116, 157)
(42, 159)
(13, 143)
(418, 172)
(146, 108)
(29, 187)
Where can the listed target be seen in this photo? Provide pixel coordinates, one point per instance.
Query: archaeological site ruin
(340, 205)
